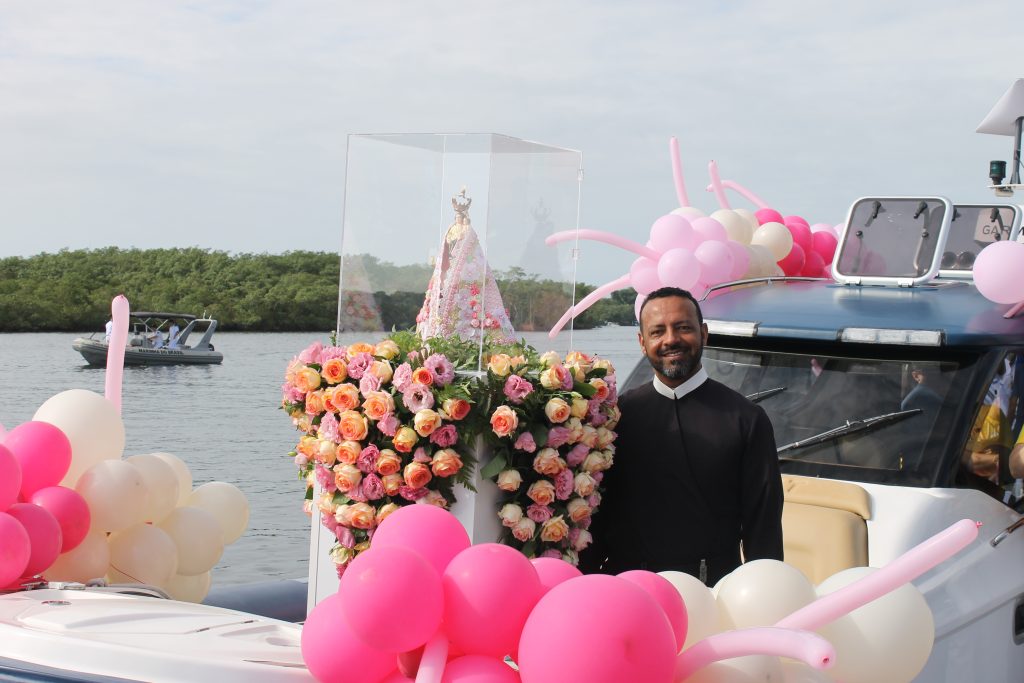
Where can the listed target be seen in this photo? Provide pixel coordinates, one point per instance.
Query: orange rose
(378, 404)
(345, 397)
(386, 349)
(581, 359)
(541, 492)
(382, 370)
(426, 421)
(362, 516)
(557, 410)
(445, 463)
(347, 477)
(554, 377)
(554, 530)
(359, 347)
(504, 421)
(422, 376)
(547, 462)
(348, 451)
(455, 408)
(417, 475)
(578, 510)
(434, 498)
(325, 503)
(392, 482)
(405, 438)
(335, 370)
(308, 446)
(314, 402)
(388, 462)
(510, 480)
(325, 452)
(500, 364)
(384, 511)
(306, 379)
(517, 361)
(352, 425)
(602, 388)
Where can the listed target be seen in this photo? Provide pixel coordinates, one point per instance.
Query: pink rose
(311, 354)
(524, 529)
(325, 478)
(577, 455)
(344, 536)
(441, 368)
(420, 455)
(517, 388)
(525, 443)
(563, 485)
(445, 436)
(579, 539)
(552, 553)
(539, 513)
(329, 428)
(373, 488)
(367, 460)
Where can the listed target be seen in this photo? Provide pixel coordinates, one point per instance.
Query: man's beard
(678, 369)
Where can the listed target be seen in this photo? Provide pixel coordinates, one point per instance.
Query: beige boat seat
(824, 525)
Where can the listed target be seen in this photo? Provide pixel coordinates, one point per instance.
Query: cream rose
(362, 516)
(384, 511)
(583, 484)
(604, 364)
(510, 514)
(550, 358)
(405, 438)
(386, 349)
(589, 436)
(553, 377)
(524, 529)
(557, 410)
(605, 437)
(426, 421)
(434, 498)
(554, 530)
(579, 407)
(578, 510)
(392, 482)
(326, 452)
(500, 364)
(325, 503)
(548, 462)
(510, 480)
(347, 477)
(359, 347)
(306, 379)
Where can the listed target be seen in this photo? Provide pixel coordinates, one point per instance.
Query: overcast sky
(223, 124)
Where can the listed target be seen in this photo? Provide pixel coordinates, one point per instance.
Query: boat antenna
(1006, 118)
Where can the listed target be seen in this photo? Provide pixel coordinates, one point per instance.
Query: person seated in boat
(923, 396)
(157, 339)
(172, 335)
(109, 330)
(987, 461)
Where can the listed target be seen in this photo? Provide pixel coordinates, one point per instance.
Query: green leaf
(530, 548)
(540, 434)
(584, 390)
(309, 493)
(494, 467)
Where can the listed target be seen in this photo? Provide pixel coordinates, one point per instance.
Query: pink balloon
(644, 275)
(678, 268)
(793, 263)
(904, 568)
(478, 669)
(10, 478)
(397, 677)
(810, 648)
(119, 310)
(795, 220)
(667, 597)
(15, 549)
(837, 230)
(69, 509)
(768, 216)
(814, 266)
(638, 304)
(801, 235)
(599, 629)
(825, 244)
(426, 529)
(997, 272)
(333, 653)
(386, 581)
(709, 229)
(715, 260)
(489, 590)
(740, 259)
(44, 453)
(819, 227)
(671, 232)
(552, 571)
(43, 534)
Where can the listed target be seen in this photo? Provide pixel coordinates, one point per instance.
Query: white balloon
(776, 237)
(199, 539)
(798, 672)
(688, 212)
(736, 226)
(116, 494)
(701, 611)
(92, 424)
(752, 669)
(762, 592)
(86, 561)
(189, 588)
(750, 217)
(888, 639)
(162, 484)
(142, 554)
(227, 504)
(182, 472)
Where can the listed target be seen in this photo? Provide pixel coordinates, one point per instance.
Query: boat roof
(824, 310)
(148, 314)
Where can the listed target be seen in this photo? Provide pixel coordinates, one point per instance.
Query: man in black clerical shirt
(696, 474)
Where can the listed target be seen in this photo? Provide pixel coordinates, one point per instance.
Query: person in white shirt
(172, 335)
(109, 330)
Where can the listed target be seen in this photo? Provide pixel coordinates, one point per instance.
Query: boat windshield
(855, 418)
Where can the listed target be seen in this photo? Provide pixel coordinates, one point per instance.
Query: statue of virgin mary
(462, 297)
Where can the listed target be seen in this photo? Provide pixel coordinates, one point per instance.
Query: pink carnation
(539, 513)
(441, 368)
(291, 393)
(345, 536)
(367, 460)
(388, 424)
(328, 521)
(373, 487)
(402, 377)
(358, 365)
(563, 484)
(357, 494)
(558, 436)
(325, 478)
(420, 455)
(445, 436)
(552, 553)
(595, 415)
(369, 382)
(311, 354)
(613, 392)
(517, 388)
(525, 443)
(577, 455)
(332, 352)
(329, 427)
(412, 494)
(417, 397)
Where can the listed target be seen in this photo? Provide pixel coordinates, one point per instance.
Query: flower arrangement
(391, 424)
(380, 429)
(551, 422)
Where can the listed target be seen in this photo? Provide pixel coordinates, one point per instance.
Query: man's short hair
(664, 293)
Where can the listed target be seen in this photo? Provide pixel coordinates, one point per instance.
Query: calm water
(223, 421)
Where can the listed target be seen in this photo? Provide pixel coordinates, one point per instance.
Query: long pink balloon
(119, 309)
(736, 187)
(716, 185)
(602, 236)
(435, 657)
(904, 568)
(1014, 310)
(808, 647)
(677, 171)
(588, 301)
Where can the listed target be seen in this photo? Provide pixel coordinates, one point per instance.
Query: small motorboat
(155, 339)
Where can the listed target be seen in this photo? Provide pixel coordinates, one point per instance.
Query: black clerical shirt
(693, 477)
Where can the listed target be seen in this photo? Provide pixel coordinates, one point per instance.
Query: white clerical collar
(683, 389)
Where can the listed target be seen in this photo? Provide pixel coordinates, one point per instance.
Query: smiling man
(696, 474)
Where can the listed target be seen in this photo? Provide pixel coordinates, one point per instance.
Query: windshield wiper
(759, 396)
(851, 427)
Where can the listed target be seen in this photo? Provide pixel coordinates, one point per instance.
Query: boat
(150, 341)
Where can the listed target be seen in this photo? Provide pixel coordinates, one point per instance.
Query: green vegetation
(71, 290)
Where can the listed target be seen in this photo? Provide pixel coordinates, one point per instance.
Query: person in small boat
(109, 331)
(172, 335)
(696, 475)
(157, 339)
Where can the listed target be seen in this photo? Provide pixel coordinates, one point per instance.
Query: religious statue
(462, 297)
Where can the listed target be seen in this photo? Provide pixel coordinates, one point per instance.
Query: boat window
(973, 228)
(855, 418)
(990, 460)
